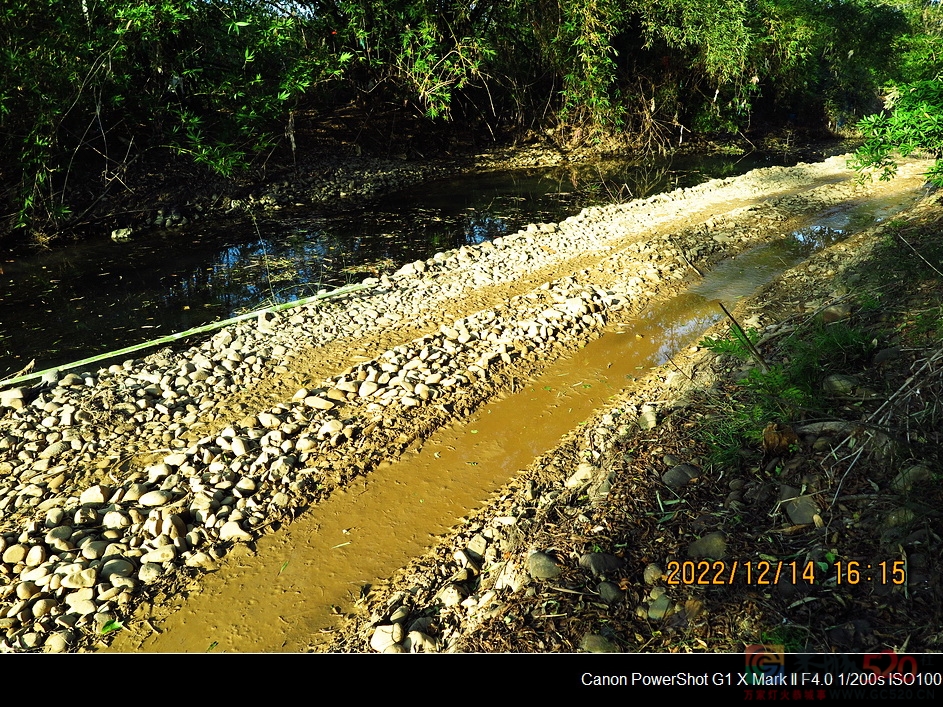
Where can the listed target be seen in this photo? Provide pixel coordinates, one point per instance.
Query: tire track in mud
(590, 291)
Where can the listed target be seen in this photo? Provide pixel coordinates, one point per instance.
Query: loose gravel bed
(114, 482)
(583, 550)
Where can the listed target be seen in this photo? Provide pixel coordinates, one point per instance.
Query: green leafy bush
(913, 121)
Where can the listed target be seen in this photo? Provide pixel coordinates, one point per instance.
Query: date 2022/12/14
(767, 572)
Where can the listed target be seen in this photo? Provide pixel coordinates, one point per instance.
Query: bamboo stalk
(181, 335)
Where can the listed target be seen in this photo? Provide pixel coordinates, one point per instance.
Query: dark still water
(97, 296)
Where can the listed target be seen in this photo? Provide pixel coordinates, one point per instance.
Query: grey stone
(419, 642)
(713, 546)
(652, 574)
(54, 450)
(382, 637)
(202, 561)
(83, 607)
(680, 476)
(15, 553)
(367, 388)
(163, 554)
(647, 420)
(541, 566)
(884, 355)
(800, 509)
(318, 403)
(594, 643)
(36, 556)
(610, 592)
(583, 474)
(232, 531)
(117, 567)
(150, 572)
(658, 607)
(83, 578)
(330, 427)
(911, 476)
(95, 495)
(452, 594)
(246, 485)
(839, 384)
(57, 642)
(26, 590)
(115, 520)
(600, 563)
(899, 517)
(43, 607)
(238, 446)
(176, 459)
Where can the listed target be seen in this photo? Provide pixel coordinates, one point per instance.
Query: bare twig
(754, 352)
(917, 253)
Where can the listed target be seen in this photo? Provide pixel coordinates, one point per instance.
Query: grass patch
(789, 391)
(793, 639)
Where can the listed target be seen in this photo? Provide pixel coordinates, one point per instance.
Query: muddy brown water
(283, 595)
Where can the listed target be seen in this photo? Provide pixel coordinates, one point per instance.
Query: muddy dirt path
(536, 351)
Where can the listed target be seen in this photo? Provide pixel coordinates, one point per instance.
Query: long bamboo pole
(182, 335)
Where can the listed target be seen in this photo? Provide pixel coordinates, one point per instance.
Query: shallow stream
(96, 296)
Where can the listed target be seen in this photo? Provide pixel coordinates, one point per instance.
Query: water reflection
(817, 237)
(97, 296)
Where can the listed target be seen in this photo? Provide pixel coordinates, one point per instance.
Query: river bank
(122, 486)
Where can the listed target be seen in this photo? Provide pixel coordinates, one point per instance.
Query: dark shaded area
(97, 295)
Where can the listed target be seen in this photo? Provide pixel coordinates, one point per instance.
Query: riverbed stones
(15, 554)
(95, 496)
(117, 567)
(648, 418)
(80, 579)
(155, 409)
(384, 637)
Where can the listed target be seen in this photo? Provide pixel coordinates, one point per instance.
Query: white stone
(163, 554)
(150, 572)
(155, 498)
(84, 578)
(96, 495)
(382, 638)
(231, 530)
(117, 567)
(36, 556)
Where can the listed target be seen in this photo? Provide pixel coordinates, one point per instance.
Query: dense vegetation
(90, 87)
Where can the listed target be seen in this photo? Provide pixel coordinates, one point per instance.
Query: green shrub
(912, 122)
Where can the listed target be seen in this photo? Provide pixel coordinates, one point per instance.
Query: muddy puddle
(281, 597)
